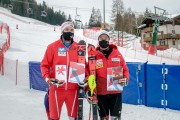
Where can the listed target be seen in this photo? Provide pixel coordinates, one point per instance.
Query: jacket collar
(114, 50)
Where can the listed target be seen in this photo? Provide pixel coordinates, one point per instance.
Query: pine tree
(99, 18)
(17, 7)
(5, 2)
(129, 21)
(92, 20)
(147, 12)
(95, 18)
(25, 6)
(86, 25)
(117, 14)
(20, 7)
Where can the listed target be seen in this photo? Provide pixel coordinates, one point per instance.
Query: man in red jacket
(111, 76)
(55, 70)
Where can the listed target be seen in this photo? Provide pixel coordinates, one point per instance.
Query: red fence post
(5, 46)
(8, 32)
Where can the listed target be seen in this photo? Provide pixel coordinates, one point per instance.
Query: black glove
(91, 98)
(55, 82)
(83, 84)
(123, 81)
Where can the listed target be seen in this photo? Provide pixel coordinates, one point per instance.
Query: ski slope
(132, 49)
(28, 43)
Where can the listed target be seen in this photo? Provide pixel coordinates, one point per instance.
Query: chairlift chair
(10, 7)
(78, 18)
(43, 13)
(30, 11)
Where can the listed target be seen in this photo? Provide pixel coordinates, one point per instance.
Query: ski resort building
(168, 35)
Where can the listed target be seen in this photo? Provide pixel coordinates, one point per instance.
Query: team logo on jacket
(115, 60)
(99, 63)
(61, 51)
(61, 72)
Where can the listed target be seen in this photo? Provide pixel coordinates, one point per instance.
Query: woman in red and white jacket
(55, 65)
(108, 56)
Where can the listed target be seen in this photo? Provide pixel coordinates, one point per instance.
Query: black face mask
(103, 43)
(68, 36)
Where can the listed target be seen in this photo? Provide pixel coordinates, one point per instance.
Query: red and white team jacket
(57, 55)
(115, 59)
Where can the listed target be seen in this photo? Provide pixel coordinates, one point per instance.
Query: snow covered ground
(28, 43)
(21, 103)
(133, 51)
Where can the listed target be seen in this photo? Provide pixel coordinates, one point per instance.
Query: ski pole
(90, 112)
(57, 104)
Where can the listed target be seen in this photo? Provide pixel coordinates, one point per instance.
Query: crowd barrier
(148, 85)
(4, 43)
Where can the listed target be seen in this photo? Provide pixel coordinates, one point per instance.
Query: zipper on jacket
(106, 68)
(67, 57)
